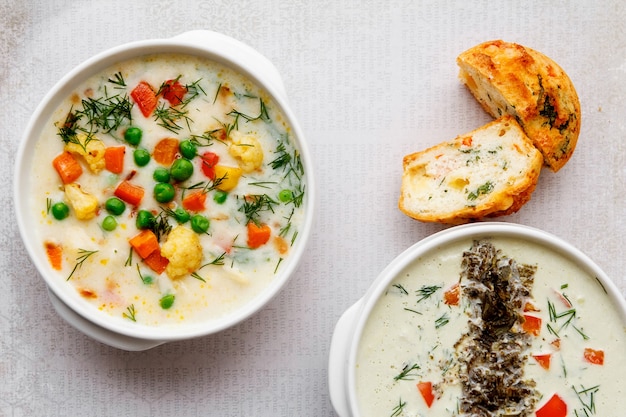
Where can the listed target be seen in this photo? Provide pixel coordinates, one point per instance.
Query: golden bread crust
(489, 172)
(510, 78)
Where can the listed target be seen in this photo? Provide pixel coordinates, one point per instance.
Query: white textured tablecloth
(369, 81)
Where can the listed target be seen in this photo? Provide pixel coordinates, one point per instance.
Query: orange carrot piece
(594, 356)
(68, 167)
(532, 325)
(55, 255)
(258, 235)
(195, 201)
(426, 389)
(156, 261)
(452, 295)
(114, 159)
(543, 360)
(145, 97)
(144, 243)
(165, 151)
(132, 194)
(555, 407)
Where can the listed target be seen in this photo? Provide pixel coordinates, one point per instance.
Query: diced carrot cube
(68, 167)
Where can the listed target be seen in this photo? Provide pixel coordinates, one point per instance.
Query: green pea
(164, 192)
(109, 223)
(161, 175)
(220, 196)
(181, 215)
(285, 196)
(133, 135)
(167, 301)
(115, 206)
(199, 223)
(181, 169)
(145, 219)
(141, 157)
(60, 210)
(188, 149)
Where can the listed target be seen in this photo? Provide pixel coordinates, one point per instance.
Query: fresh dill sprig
(208, 137)
(406, 373)
(401, 288)
(442, 321)
(219, 260)
(129, 259)
(253, 205)
(397, 410)
(562, 320)
(263, 114)
(83, 255)
(118, 80)
(161, 226)
(130, 313)
(107, 113)
(146, 279)
(589, 402)
(280, 260)
(170, 117)
(426, 291)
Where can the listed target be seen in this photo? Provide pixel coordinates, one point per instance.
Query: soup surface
(495, 327)
(167, 189)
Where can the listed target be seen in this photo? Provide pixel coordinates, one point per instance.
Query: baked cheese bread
(507, 78)
(488, 172)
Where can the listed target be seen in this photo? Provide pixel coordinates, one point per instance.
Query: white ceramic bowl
(349, 328)
(213, 46)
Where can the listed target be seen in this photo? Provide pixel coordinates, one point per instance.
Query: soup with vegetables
(494, 327)
(167, 189)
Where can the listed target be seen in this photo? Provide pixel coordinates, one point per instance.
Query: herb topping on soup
(493, 327)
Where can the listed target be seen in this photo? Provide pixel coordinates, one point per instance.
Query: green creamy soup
(496, 327)
(167, 189)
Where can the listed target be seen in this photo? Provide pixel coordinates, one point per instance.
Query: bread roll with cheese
(507, 78)
(488, 172)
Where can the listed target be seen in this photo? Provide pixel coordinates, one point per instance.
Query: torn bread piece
(507, 78)
(488, 172)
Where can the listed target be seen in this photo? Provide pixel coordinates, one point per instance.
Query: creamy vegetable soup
(168, 188)
(493, 327)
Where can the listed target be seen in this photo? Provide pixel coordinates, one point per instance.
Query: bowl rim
(210, 45)
(445, 237)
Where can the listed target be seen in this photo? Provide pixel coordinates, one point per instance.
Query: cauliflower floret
(84, 204)
(247, 150)
(91, 150)
(182, 248)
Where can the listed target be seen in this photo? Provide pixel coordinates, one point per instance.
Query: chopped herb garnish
(401, 288)
(397, 410)
(130, 313)
(146, 279)
(442, 321)
(484, 189)
(586, 396)
(254, 205)
(83, 255)
(563, 320)
(118, 80)
(426, 291)
(170, 117)
(406, 373)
